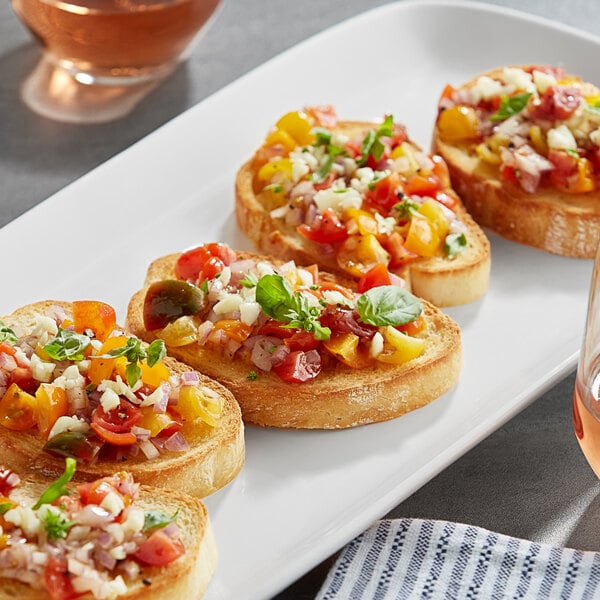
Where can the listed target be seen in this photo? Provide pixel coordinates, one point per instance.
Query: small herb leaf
(156, 519)
(388, 305)
(510, 106)
(454, 244)
(58, 487)
(67, 345)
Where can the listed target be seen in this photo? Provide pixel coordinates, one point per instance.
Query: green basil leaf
(510, 106)
(7, 334)
(67, 345)
(155, 352)
(58, 487)
(372, 145)
(156, 519)
(388, 305)
(133, 372)
(454, 244)
(249, 280)
(275, 297)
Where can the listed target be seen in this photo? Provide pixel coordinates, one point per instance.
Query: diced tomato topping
(126, 438)
(119, 419)
(24, 379)
(508, 173)
(301, 340)
(557, 102)
(326, 183)
(374, 277)
(556, 72)
(100, 317)
(399, 254)
(447, 198)
(413, 327)
(6, 348)
(326, 228)
(159, 549)
(384, 193)
(565, 165)
(325, 115)
(95, 491)
(299, 366)
(422, 185)
(58, 582)
(276, 329)
(190, 265)
(71, 504)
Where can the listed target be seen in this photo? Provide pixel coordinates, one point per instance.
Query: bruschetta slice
(522, 144)
(296, 346)
(74, 384)
(350, 196)
(106, 539)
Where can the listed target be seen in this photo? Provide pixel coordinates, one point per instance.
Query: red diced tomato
(374, 277)
(190, 264)
(326, 228)
(58, 582)
(159, 549)
(299, 366)
(384, 193)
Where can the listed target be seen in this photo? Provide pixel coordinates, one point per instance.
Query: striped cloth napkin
(414, 558)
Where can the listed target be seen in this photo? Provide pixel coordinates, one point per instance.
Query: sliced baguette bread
(210, 457)
(351, 391)
(523, 148)
(279, 194)
(186, 577)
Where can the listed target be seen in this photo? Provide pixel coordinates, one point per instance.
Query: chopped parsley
(372, 144)
(56, 524)
(7, 334)
(454, 244)
(67, 345)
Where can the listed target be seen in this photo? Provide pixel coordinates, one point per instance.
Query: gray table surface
(529, 479)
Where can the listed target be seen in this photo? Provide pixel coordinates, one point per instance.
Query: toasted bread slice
(214, 457)
(186, 577)
(340, 396)
(433, 276)
(530, 173)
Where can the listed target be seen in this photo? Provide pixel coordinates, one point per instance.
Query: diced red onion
(160, 406)
(103, 558)
(177, 443)
(7, 362)
(94, 516)
(279, 354)
(149, 450)
(204, 331)
(141, 433)
(262, 350)
(190, 378)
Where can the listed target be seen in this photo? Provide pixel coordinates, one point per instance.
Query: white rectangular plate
(302, 495)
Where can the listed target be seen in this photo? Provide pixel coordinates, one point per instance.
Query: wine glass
(586, 397)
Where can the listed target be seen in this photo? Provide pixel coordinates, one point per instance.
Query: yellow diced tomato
(406, 150)
(234, 329)
(51, 403)
(486, 154)
(538, 140)
(102, 368)
(299, 125)
(180, 332)
(433, 211)
(458, 123)
(194, 404)
(155, 375)
(17, 409)
(278, 166)
(582, 181)
(345, 347)
(154, 422)
(282, 139)
(360, 221)
(399, 347)
(422, 237)
(358, 253)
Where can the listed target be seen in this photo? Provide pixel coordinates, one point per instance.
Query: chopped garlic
(227, 304)
(113, 503)
(66, 423)
(41, 370)
(249, 312)
(521, 80)
(376, 345)
(338, 199)
(543, 81)
(561, 138)
(109, 399)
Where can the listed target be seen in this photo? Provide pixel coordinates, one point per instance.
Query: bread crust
(558, 222)
(215, 457)
(439, 280)
(341, 396)
(187, 577)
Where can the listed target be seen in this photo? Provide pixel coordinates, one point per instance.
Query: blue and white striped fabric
(412, 558)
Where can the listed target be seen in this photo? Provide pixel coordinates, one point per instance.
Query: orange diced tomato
(17, 409)
(100, 317)
(51, 403)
